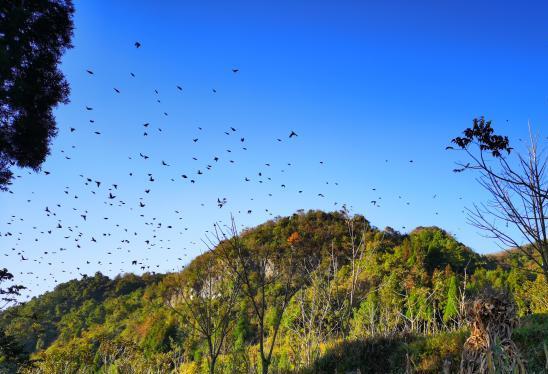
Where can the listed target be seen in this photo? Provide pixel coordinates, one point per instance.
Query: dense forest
(313, 292)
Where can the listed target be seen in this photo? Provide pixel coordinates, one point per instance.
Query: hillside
(365, 299)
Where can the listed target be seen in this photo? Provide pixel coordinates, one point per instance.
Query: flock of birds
(79, 234)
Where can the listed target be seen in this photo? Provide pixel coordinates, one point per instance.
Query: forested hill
(360, 285)
(45, 318)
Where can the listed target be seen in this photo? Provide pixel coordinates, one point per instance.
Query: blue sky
(368, 86)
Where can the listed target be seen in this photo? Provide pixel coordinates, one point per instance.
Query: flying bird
(221, 203)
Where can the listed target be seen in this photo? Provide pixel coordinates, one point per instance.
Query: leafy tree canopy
(34, 34)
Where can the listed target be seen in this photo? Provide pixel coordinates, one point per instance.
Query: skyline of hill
(425, 268)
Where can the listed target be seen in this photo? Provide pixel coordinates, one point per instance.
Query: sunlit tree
(205, 297)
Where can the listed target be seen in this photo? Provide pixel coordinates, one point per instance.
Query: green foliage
(451, 307)
(242, 331)
(162, 329)
(437, 249)
(65, 312)
(404, 313)
(365, 321)
(532, 340)
(12, 354)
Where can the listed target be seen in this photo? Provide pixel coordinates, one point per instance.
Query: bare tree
(356, 233)
(518, 189)
(206, 296)
(315, 306)
(269, 278)
(361, 243)
(463, 298)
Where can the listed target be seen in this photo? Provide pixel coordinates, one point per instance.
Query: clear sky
(367, 86)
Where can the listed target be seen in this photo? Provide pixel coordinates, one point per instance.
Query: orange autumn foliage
(294, 238)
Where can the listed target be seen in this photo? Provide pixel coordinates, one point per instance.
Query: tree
(518, 189)
(8, 294)
(34, 34)
(363, 241)
(357, 229)
(206, 296)
(313, 313)
(11, 353)
(418, 310)
(391, 303)
(365, 321)
(269, 277)
(451, 310)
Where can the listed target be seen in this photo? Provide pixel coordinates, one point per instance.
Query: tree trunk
(545, 262)
(212, 357)
(265, 365)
